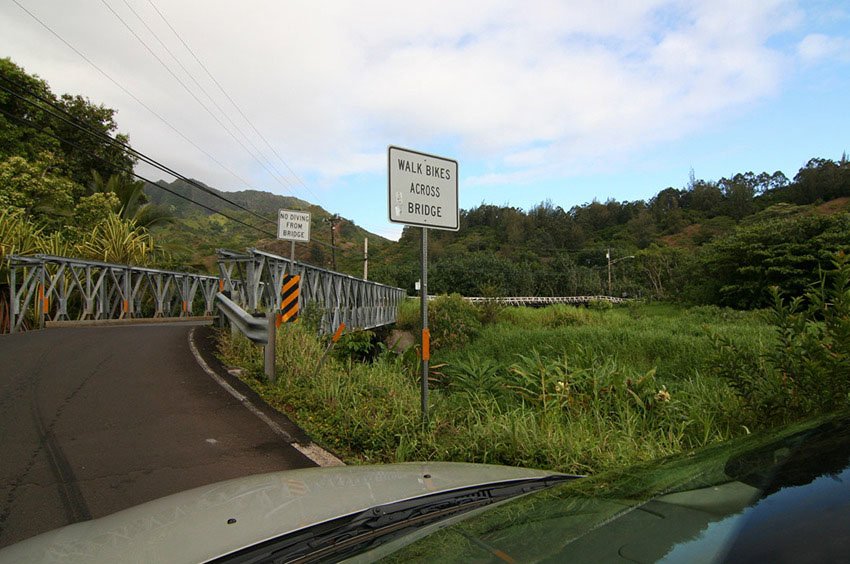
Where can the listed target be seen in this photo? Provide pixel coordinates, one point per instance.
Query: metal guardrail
(253, 327)
(61, 288)
(541, 301)
(260, 330)
(254, 280)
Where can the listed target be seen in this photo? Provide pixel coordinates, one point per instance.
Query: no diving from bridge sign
(423, 190)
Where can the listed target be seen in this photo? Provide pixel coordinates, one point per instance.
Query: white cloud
(816, 47)
(534, 88)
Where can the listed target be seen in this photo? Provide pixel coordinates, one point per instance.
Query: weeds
(570, 389)
(807, 370)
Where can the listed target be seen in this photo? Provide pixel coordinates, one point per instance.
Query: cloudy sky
(560, 100)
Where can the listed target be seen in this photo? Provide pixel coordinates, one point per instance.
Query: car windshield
(746, 499)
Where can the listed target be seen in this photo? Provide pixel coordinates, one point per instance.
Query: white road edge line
(311, 450)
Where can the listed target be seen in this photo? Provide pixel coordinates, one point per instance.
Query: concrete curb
(309, 449)
(206, 319)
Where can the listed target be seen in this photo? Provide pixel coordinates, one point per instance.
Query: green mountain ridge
(191, 240)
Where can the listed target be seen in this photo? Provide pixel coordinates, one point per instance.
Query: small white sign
(423, 190)
(293, 225)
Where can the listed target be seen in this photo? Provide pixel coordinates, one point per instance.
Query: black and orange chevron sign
(289, 292)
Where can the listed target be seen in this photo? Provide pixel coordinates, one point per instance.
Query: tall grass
(575, 391)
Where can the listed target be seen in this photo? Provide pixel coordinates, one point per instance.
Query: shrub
(408, 315)
(601, 305)
(359, 346)
(807, 370)
(453, 321)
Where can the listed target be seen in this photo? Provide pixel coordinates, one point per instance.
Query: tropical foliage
(62, 191)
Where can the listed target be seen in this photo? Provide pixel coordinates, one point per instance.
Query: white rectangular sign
(423, 190)
(293, 225)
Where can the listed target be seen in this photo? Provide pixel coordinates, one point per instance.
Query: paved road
(94, 420)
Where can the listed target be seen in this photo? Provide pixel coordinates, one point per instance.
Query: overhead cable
(187, 89)
(130, 94)
(73, 121)
(140, 177)
(232, 101)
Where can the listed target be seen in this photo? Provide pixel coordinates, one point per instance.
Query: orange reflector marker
(338, 333)
(45, 301)
(426, 344)
(185, 306)
(126, 306)
(278, 319)
(221, 285)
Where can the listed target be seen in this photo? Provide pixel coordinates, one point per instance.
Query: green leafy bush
(600, 305)
(359, 346)
(453, 321)
(807, 370)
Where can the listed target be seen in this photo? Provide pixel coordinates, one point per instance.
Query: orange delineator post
(45, 301)
(426, 344)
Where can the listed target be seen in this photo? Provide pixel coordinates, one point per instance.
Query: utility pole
(366, 258)
(333, 220)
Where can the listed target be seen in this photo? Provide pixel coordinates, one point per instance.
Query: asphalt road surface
(98, 419)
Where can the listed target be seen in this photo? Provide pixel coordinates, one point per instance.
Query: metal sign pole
(426, 335)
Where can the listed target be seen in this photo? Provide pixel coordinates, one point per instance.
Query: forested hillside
(722, 242)
(192, 238)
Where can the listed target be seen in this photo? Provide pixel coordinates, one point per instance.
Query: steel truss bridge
(531, 301)
(47, 288)
(255, 279)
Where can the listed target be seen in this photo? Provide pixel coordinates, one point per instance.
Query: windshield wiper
(355, 533)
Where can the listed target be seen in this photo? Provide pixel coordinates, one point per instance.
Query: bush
(600, 305)
(453, 321)
(360, 346)
(807, 371)
(408, 315)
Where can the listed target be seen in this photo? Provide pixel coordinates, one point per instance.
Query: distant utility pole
(333, 220)
(366, 258)
(612, 262)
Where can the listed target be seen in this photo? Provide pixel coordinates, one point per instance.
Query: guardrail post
(269, 352)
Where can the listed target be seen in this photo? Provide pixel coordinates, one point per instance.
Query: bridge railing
(60, 288)
(255, 281)
(547, 300)
(52, 288)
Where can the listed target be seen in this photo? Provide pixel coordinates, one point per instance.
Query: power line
(186, 88)
(140, 177)
(232, 101)
(130, 94)
(166, 122)
(286, 185)
(74, 122)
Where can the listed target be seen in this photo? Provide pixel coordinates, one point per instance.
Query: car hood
(210, 521)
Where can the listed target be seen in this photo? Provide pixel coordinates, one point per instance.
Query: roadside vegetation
(566, 388)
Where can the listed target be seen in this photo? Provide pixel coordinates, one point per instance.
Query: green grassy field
(564, 388)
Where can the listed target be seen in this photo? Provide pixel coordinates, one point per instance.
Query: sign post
(423, 192)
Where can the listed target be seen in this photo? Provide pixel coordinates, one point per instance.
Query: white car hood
(210, 521)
